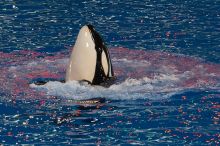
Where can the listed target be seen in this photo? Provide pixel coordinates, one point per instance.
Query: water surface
(165, 55)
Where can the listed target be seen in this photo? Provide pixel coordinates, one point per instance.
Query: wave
(160, 87)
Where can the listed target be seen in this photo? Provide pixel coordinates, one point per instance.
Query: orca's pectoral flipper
(43, 81)
(90, 59)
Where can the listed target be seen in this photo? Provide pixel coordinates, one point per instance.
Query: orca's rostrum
(90, 60)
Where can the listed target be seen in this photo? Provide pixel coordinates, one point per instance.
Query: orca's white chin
(90, 60)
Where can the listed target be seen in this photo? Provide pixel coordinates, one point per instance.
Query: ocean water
(165, 55)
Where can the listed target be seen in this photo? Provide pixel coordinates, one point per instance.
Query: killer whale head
(90, 60)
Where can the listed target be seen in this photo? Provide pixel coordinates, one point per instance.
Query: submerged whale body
(90, 60)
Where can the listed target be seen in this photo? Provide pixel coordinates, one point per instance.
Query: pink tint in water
(192, 72)
(20, 68)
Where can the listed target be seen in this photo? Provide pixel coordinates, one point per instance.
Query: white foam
(166, 81)
(158, 88)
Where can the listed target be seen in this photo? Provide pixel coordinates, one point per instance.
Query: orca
(90, 60)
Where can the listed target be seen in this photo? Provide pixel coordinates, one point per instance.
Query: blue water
(189, 116)
(193, 25)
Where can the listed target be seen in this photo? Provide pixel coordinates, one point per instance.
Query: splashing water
(148, 82)
(140, 74)
(158, 98)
